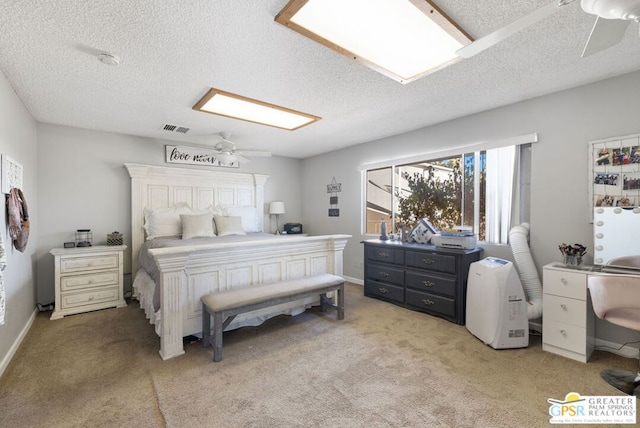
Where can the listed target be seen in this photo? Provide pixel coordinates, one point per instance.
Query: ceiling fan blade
(604, 34)
(501, 34)
(256, 153)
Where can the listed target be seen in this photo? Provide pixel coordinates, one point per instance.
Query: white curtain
(502, 192)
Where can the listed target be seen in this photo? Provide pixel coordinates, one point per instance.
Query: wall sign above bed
(197, 156)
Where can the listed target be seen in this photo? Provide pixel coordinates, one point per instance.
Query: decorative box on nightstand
(88, 279)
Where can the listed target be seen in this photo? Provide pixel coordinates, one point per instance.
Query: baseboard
(353, 280)
(16, 344)
(616, 348)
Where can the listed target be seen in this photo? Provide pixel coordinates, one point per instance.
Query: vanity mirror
(616, 236)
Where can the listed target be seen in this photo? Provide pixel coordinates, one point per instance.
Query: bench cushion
(231, 299)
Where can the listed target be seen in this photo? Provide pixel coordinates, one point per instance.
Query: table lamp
(276, 208)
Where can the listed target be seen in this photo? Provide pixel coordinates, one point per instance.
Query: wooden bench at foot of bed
(224, 306)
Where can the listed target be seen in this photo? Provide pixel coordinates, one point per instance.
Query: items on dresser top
(420, 277)
(88, 279)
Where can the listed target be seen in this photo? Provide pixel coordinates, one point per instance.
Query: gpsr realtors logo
(593, 409)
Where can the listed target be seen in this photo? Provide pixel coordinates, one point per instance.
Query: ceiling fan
(228, 152)
(612, 19)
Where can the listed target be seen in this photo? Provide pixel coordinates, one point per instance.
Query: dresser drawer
(565, 336)
(103, 295)
(564, 283)
(385, 273)
(431, 283)
(431, 302)
(387, 255)
(386, 291)
(435, 262)
(565, 310)
(75, 282)
(84, 263)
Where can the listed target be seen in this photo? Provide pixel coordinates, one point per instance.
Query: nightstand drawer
(565, 310)
(75, 282)
(387, 255)
(565, 336)
(385, 273)
(431, 302)
(71, 300)
(386, 291)
(435, 262)
(431, 283)
(79, 264)
(565, 283)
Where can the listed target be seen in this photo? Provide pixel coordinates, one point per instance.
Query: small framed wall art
(11, 174)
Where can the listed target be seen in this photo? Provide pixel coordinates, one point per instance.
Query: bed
(189, 268)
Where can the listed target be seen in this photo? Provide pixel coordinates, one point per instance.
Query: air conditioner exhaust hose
(518, 238)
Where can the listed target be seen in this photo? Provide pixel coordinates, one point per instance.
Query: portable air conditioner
(496, 304)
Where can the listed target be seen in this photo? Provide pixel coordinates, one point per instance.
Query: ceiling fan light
(613, 9)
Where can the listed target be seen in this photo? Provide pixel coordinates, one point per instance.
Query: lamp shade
(276, 207)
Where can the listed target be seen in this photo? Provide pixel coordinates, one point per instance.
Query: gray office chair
(616, 298)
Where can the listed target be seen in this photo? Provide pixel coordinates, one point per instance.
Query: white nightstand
(88, 279)
(568, 320)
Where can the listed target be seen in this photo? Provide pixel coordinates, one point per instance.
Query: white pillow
(163, 222)
(229, 225)
(250, 217)
(197, 226)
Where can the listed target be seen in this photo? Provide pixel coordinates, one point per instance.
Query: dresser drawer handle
(428, 283)
(563, 332)
(428, 302)
(383, 290)
(383, 255)
(384, 274)
(563, 306)
(428, 261)
(564, 281)
(90, 298)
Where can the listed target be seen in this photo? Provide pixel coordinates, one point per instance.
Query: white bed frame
(187, 273)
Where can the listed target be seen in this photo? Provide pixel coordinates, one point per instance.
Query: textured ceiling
(173, 51)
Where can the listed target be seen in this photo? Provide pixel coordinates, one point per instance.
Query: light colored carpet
(383, 366)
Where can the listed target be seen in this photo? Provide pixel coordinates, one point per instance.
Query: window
(485, 190)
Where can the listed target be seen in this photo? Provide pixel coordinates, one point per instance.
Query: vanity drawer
(565, 310)
(75, 282)
(387, 255)
(380, 272)
(565, 283)
(565, 336)
(386, 291)
(83, 263)
(104, 295)
(431, 302)
(431, 283)
(435, 262)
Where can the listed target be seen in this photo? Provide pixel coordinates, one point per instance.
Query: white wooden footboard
(188, 273)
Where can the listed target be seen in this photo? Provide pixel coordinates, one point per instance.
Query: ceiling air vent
(175, 128)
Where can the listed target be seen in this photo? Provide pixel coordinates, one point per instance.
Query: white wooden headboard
(159, 186)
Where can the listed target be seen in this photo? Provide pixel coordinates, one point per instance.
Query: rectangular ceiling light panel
(238, 107)
(402, 39)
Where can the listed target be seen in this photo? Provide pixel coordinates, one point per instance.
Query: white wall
(83, 183)
(565, 121)
(18, 140)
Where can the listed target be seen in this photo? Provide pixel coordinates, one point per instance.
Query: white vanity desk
(568, 320)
